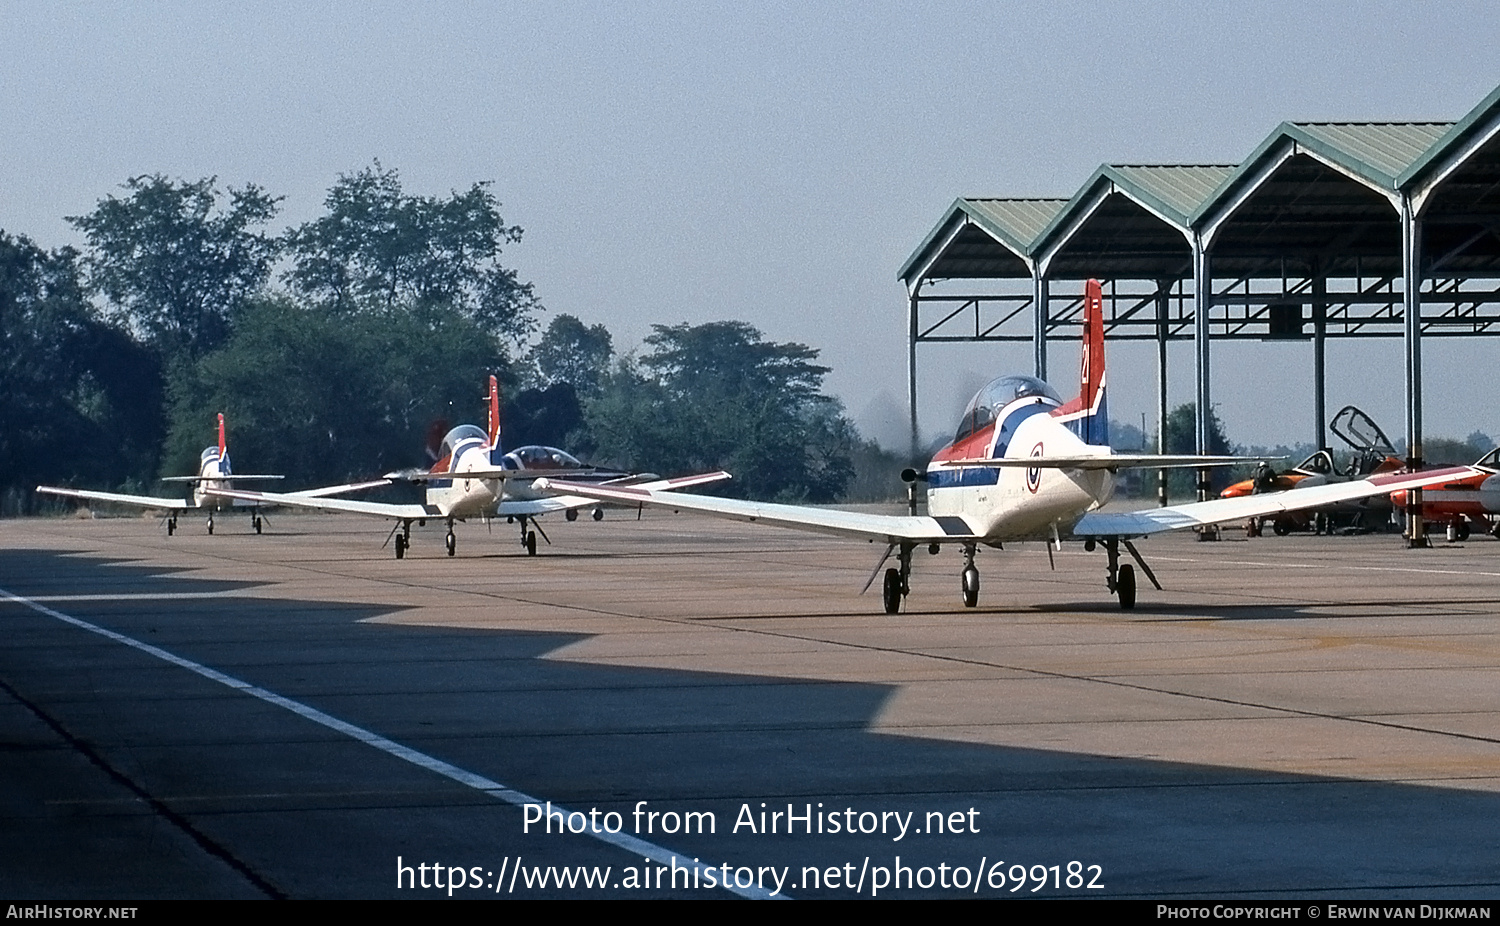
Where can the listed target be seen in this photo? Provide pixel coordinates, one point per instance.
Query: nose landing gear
(970, 579)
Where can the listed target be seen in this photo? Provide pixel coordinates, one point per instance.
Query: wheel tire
(598, 514)
(531, 543)
(1461, 530)
(571, 514)
(210, 526)
(970, 583)
(400, 547)
(452, 544)
(1125, 587)
(891, 591)
(171, 528)
(1252, 527)
(257, 525)
(1282, 527)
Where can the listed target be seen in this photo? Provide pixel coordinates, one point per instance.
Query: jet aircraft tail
(1088, 415)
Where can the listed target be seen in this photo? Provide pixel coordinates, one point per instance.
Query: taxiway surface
(288, 714)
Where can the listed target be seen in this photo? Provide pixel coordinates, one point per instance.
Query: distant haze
(771, 163)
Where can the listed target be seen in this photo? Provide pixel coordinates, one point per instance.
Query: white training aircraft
(474, 478)
(213, 473)
(1023, 466)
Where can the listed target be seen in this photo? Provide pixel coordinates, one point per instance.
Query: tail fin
(494, 422)
(1091, 423)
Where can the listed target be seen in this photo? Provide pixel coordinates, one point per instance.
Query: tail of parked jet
(1088, 415)
(494, 420)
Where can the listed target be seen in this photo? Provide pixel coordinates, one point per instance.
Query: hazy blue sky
(774, 163)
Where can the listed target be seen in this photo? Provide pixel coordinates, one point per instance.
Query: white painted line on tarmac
(478, 782)
(142, 596)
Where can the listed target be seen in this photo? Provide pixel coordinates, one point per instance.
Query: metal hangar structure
(1326, 230)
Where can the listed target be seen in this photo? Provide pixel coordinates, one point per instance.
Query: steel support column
(1320, 374)
(1162, 307)
(1202, 299)
(911, 368)
(1040, 295)
(1411, 286)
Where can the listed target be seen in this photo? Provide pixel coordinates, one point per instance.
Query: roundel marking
(1034, 473)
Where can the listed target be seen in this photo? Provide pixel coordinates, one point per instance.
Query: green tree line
(335, 348)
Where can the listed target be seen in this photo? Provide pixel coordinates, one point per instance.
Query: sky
(773, 163)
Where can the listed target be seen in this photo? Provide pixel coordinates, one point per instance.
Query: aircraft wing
(1198, 514)
(340, 505)
(229, 477)
(1113, 461)
(140, 501)
(341, 489)
(890, 528)
(496, 474)
(536, 506)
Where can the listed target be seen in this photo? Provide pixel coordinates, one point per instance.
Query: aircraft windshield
(464, 432)
(535, 457)
(988, 402)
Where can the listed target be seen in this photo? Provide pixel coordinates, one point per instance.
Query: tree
(326, 397)
(377, 249)
(174, 263)
(82, 400)
(719, 396)
(570, 352)
(1182, 437)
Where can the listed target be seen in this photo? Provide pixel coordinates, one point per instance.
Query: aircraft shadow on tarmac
(315, 813)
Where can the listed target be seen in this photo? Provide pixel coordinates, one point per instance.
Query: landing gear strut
(528, 537)
(897, 584)
(970, 579)
(1121, 580)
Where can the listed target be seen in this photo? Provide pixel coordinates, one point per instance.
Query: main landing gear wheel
(1282, 527)
(571, 514)
(452, 542)
(891, 591)
(970, 584)
(255, 522)
(1125, 587)
(171, 525)
(400, 546)
(531, 543)
(210, 524)
(598, 514)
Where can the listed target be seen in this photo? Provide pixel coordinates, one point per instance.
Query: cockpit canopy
(538, 457)
(986, 405)
(461, 434)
